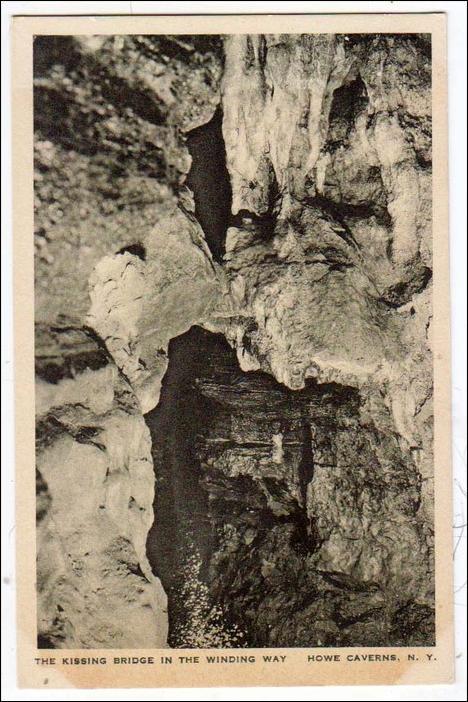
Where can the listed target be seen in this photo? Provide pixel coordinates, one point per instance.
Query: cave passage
(209, 181)
(181, 535)
(233, 458)
(244, 470)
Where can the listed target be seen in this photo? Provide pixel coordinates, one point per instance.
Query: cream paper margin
(296, 670)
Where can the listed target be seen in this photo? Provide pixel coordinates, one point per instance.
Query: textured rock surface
(330, 258)
(139, 303)
(282, 518)
(94, 509)
(293, 499)
(110, 118)
(113, 224)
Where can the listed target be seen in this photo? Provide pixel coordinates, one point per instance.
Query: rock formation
(110, 159)
(233, 253)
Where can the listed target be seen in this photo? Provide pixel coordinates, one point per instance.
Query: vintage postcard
(232, 350)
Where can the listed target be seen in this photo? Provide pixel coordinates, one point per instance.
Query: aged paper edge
(297, 671)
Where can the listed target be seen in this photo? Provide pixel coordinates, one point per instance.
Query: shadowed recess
(233, 456)
(208, 179)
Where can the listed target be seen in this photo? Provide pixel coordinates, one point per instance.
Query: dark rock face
(208, 178)
(256, 486)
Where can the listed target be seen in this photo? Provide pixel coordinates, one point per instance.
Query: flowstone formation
(234, 255)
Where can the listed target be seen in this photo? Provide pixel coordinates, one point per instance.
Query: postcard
(232, 350)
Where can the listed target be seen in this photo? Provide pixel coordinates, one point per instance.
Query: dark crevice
(401, 293)
(344, 212)
(263, 226)
(306, 466)
(424, 161)
(349, 100)
(369, 615)
(209, 181)
(63, 351)
(136, 249)
(181, 525)
(338, 213)
(44, 642)
(249, 56)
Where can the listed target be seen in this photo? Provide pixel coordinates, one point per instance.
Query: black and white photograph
(233, 287)
(237, 426)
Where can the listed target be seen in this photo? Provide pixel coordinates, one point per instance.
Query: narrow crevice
(349, 100)
(181, 530)
(344, 212)
(65, 350)
(209, 181)
(136, 249)
(306, 466)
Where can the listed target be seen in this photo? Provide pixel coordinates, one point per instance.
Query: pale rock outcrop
(139, 304)
(329, 268)
(95, 494)
(277, 93)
